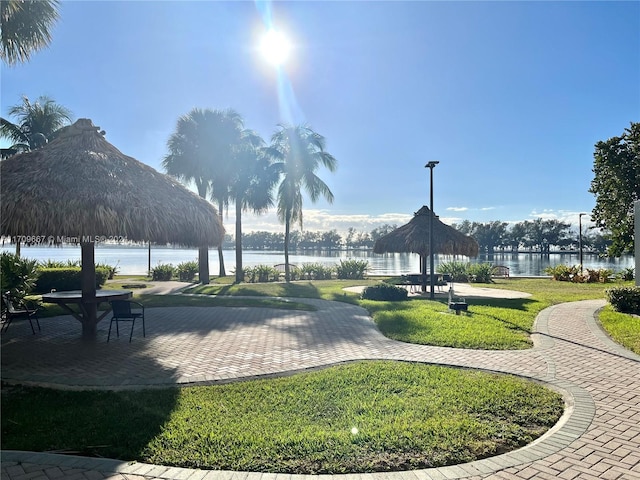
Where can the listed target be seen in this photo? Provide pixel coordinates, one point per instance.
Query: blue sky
(509, 97)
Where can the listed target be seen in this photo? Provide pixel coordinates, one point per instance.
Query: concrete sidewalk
(599, 436)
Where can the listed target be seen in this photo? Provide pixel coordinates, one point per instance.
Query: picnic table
(74, 297)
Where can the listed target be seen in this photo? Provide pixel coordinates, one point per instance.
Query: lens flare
(275, 47)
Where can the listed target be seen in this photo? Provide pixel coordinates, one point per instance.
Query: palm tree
(251, 187)
(37, 123)
(299, 152)
(224, 137)
(25, 28)
(201, 151)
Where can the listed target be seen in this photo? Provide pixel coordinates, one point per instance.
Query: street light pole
(430, 166)
(580, 239)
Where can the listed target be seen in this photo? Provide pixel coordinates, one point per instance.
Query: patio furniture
(500, 271)
(68, 298)
(16, 309)
(415, 280)
(457, 304)
(126, 311)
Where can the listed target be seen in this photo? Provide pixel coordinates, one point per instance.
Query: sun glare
(275, 47)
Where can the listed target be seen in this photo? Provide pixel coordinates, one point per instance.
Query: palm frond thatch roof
(413, 237)
(79, 185)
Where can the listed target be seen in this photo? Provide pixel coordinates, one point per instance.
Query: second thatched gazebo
(80, 188)
(413, 237)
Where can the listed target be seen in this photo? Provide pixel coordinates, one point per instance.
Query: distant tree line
(307, 240)
(538, 235)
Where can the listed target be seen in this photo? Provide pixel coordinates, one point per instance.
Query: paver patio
(599, 436)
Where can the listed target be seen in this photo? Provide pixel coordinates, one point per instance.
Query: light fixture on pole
(580, 239)
(430, 166)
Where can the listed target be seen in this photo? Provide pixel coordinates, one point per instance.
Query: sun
(275, 47)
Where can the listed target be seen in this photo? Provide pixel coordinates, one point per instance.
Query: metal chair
(14, 308)
(128, 311)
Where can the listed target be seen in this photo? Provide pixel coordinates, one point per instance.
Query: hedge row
(67, 278)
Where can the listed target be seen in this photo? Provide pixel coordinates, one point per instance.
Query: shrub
(385, 292)
(187, 271)
(294, 273)
(563, 273)
(249, 274)
(480, 272)
(624, 299)
(352, 269)
(315, 271)
(112, 271)
(163, 272)
(18, 275)
(601, 275)
(261, 274)
(59, 263)
(67, 278)
(457, 270)
(627, 274)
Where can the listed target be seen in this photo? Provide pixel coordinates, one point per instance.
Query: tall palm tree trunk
(287, 228)
(203, 265)
(239, 269)
(203, 252)
(222, 272)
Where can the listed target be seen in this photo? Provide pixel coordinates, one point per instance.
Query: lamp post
(430, 166)
(580, 239)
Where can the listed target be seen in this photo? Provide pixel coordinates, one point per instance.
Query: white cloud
(318, 220)
(566, 216)
(315, 220)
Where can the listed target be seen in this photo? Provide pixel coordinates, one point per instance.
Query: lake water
(134, 260)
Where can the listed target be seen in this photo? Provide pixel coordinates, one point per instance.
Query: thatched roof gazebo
(81, 188)
(413, 237)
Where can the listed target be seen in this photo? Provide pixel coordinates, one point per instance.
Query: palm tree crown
(251, 186)
(37, 123)
(202, 151)
(25, 27)
(299, 152)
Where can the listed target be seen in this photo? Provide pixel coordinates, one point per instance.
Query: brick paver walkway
(599, 436)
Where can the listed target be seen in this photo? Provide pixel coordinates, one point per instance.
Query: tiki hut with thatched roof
(413, 237)
(80, 187)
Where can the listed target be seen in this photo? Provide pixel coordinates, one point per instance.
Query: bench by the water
(500, 271)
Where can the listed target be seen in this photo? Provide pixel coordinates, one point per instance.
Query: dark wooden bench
(500, 271)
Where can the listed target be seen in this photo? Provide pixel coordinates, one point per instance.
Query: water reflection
(134, 260)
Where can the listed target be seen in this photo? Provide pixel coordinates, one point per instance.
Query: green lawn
(622, 327)
(491, 324)
(359, 417)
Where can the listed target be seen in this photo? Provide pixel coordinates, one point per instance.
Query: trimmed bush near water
(163, 272)
(187, 271)
(67, 278)
(352, 269)
(566, 273)
(384, 292)
(261, 274)
(624, 299)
